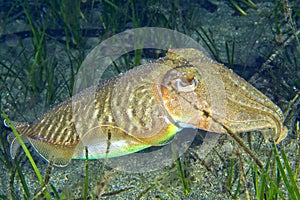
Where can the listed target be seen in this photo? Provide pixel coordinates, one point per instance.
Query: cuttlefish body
(147, 106)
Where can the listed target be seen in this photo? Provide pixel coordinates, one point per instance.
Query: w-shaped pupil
(186, 85)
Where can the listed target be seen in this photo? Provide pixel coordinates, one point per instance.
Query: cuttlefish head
(202, 93)
(185, 97)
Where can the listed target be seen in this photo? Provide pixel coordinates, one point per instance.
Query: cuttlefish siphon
(147, 106)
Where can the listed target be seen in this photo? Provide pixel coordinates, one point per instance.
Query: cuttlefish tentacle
(147, 106)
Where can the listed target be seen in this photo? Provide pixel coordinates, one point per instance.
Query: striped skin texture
(147, 106)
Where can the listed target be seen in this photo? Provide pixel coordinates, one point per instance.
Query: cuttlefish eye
(186, 85)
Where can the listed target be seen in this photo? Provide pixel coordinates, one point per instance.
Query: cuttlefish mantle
(147, 106)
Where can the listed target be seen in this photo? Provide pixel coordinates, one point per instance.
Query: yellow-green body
(147, 106)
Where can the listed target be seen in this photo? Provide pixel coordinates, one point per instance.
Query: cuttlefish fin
(58, 155)
(17, 125)
(14, 144)
(107, 141)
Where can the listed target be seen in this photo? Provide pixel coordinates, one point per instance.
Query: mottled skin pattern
(246, 108)
(146, 106)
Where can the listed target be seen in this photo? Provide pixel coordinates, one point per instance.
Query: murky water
(42, 47)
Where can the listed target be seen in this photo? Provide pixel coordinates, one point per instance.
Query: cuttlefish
(147, 106)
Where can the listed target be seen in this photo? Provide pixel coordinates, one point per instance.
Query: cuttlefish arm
(218, 97)
(147, 106)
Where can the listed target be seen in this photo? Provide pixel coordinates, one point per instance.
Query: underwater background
(42, 46)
